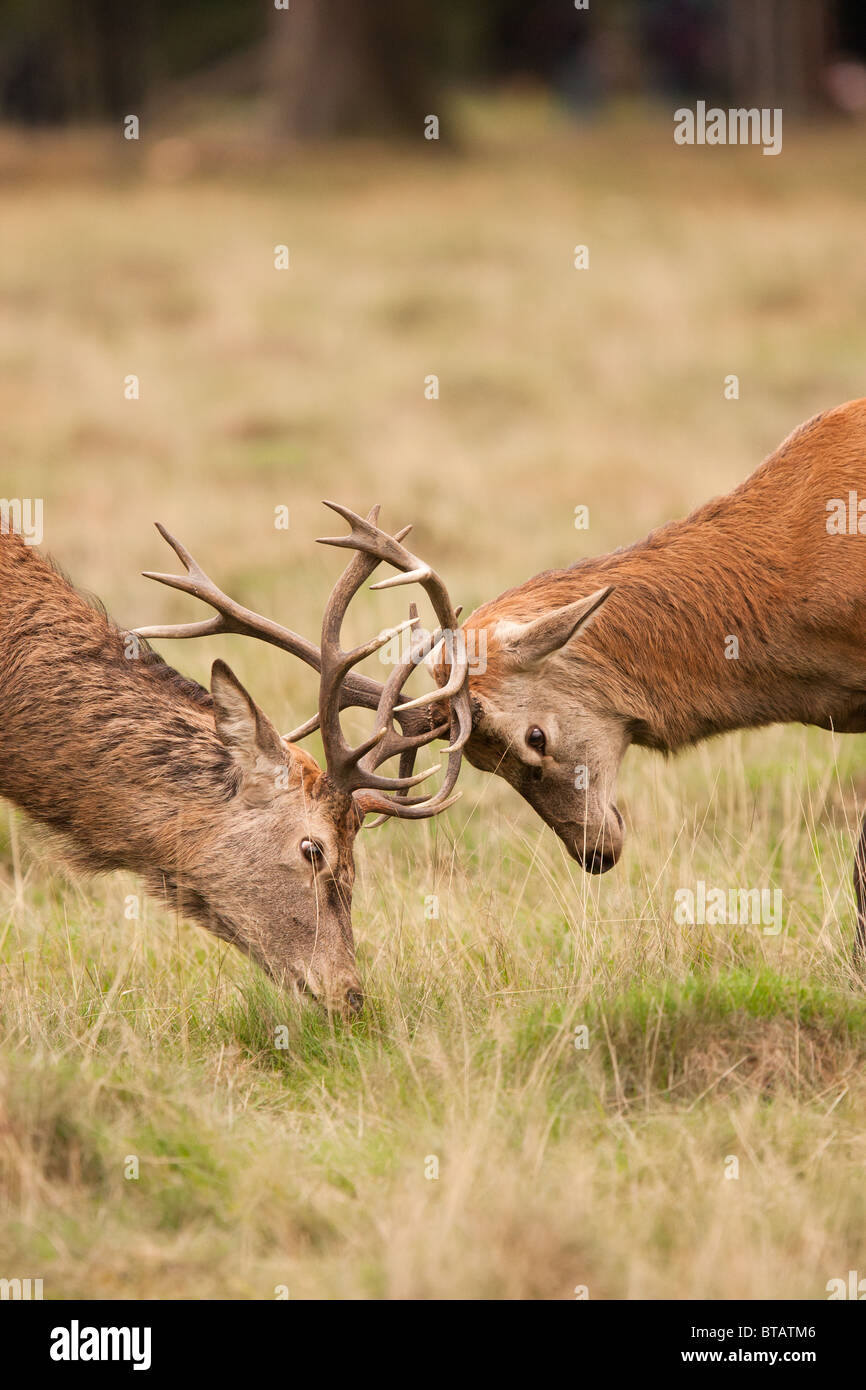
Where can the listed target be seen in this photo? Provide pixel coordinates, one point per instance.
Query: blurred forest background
(344, 68)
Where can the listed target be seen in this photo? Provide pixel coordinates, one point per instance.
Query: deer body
(750, 611)
(139, 768)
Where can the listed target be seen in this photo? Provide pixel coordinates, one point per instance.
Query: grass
(273, 1149)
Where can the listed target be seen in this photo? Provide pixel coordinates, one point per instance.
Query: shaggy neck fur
(748, 612)
(118, 754)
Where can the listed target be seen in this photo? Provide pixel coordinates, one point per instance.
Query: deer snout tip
(599, 854)
(599, 861)
(339, 994)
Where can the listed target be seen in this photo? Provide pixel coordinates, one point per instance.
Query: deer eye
(535, 739)
(312, 851)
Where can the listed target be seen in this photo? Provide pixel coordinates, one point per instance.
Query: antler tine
(367, 537)
(353, 768)
(232, 617)
(308, 727)
(443, 692)
(208, 627)
(343, 761)
(418, 808)
(403, 741)
(413, 808)
(421, 643)
(455, 690)
(387, 808)
(387, 744)
(372, 546)
(441, 798)
(401, 805)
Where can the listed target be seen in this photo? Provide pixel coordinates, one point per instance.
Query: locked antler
(340, 686)
(357, 766)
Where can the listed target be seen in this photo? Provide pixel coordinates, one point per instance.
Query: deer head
(270, 866)
(540, 721)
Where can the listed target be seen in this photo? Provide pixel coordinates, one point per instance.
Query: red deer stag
(749, 612)
(139, 768)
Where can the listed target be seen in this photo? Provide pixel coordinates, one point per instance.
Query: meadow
(604, 1168)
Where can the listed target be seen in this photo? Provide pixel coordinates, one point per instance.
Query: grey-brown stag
(139, 768)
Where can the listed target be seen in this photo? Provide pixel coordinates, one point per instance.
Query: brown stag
(749, 612)
(139, 768)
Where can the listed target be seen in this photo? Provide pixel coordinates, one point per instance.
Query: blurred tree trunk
(107, 43)
(342, 67)
(81, 62)
(777, 50)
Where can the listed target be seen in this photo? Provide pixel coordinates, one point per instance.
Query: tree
(342, 67)
(777, 51)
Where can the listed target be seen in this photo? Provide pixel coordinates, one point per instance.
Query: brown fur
(650, 666)
(758, 564)
(137, 767)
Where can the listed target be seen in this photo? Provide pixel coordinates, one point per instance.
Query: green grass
(261, 1166)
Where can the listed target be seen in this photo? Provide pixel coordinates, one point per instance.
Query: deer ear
(535, 640)
(247, 733)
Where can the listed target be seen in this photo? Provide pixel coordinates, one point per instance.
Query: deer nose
(354, 1001)
(599, 861)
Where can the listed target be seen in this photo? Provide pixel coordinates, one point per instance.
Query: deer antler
(354, 769)
(233, 617)
(368, 539)
(401, 805)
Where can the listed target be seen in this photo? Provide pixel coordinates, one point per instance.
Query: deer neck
(729, 619)
(119, 756)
